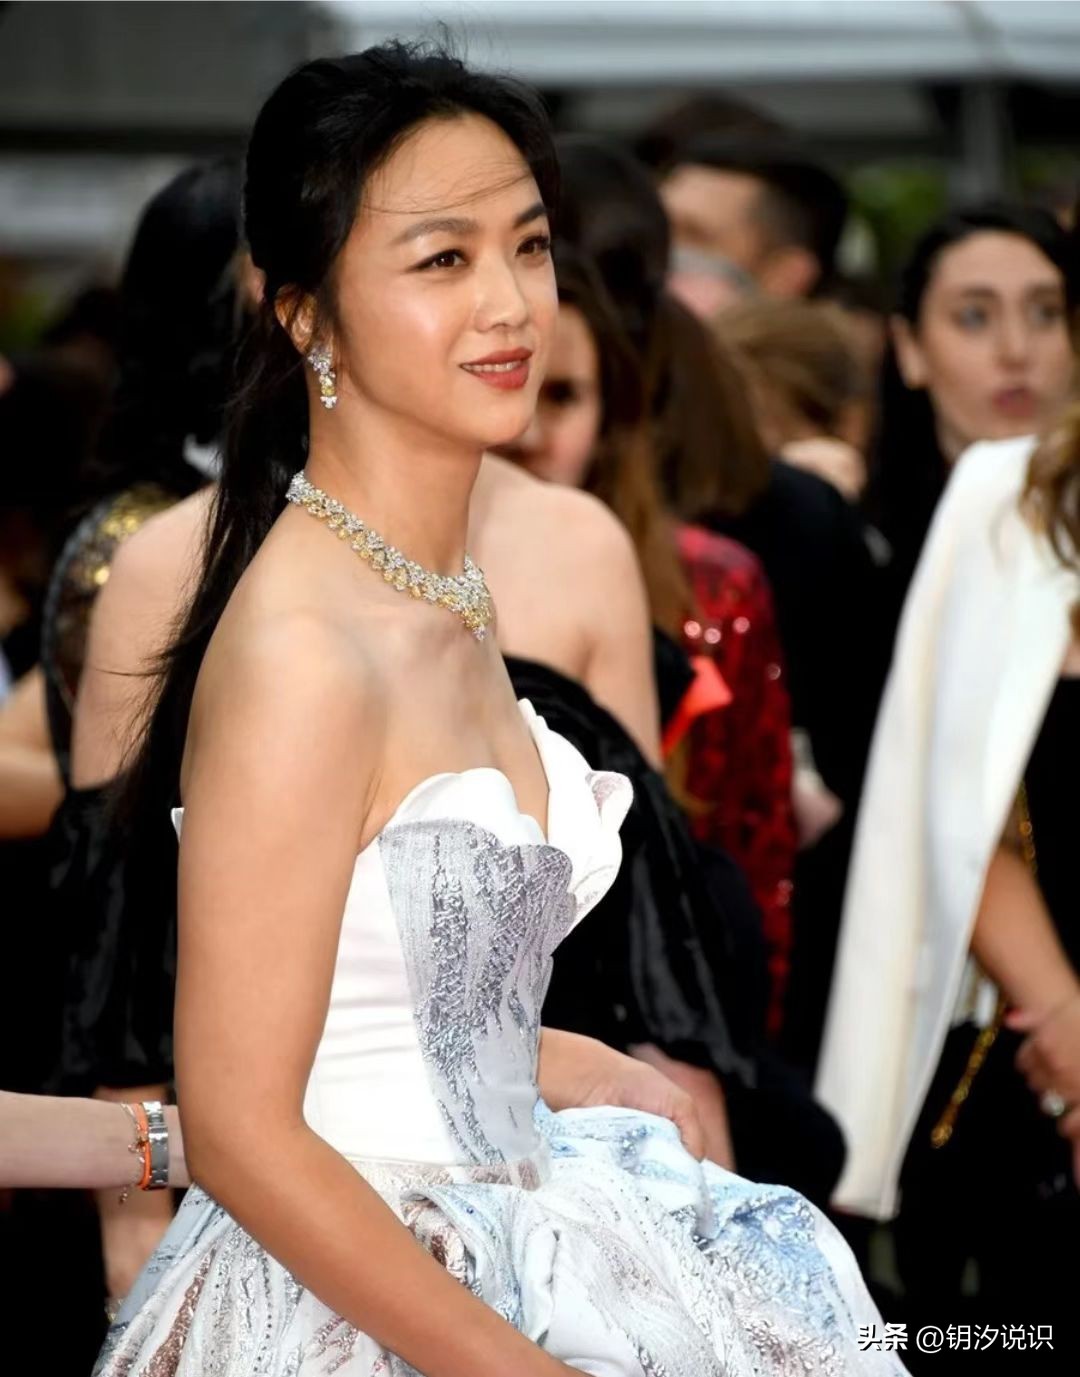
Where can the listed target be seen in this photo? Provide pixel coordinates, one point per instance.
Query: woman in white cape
(985, 637)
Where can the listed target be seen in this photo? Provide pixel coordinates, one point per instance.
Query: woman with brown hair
(726, 732)
(808, 385)
(589, 431)
(716, 472)
(962, 906)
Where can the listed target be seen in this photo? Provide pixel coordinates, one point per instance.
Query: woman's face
(561, 438)
(446, 295)
(991, 344)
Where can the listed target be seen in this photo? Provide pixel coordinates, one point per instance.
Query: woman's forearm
(316, 1214)
(49, 1142)
(1015, 941)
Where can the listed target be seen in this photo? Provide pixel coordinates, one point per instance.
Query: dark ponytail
(316, 141)
(177, 324)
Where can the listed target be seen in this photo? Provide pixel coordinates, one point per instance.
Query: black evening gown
(102, 885)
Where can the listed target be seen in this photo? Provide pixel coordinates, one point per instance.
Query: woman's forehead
(465, 164)
(995, 258)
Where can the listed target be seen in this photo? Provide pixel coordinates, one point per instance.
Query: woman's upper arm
(620, 673)
(280, 767)
(132, 622)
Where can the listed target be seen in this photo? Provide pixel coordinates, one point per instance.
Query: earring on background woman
(320, 360)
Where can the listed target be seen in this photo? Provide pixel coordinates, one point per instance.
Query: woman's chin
(500, 438)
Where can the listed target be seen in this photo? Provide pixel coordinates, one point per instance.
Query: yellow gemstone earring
(320, 361)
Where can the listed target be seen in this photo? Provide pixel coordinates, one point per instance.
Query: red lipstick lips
(505, 369)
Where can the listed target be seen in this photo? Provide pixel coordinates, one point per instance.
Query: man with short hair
(750, 213)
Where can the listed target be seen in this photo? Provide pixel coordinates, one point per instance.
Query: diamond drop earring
(320, 361)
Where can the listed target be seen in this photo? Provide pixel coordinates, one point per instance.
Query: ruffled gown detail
(593, 1231)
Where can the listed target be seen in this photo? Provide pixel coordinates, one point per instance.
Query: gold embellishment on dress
(465, 594)
(943, 1129)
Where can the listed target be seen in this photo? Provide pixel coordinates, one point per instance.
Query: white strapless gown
(592, 1230)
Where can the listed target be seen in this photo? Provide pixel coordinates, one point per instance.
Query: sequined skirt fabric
(612, 1248)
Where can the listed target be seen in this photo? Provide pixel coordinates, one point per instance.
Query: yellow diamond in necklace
(465, 594)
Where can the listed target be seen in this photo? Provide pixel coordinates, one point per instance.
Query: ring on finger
(1052, 1104)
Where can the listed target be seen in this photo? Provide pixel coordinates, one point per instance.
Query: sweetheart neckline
(501, 775)
(534, 724)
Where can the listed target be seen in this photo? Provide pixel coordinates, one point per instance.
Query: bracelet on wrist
(150, 1145)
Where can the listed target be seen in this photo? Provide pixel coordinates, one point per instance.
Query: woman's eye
(536, 245)
(558, 393)
(971, 318)
(1047, 312)
(449, 258)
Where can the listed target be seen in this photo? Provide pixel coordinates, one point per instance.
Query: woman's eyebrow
(445, 225)
(537, 211)
(975, 289)
(456, 224)
(986, 292)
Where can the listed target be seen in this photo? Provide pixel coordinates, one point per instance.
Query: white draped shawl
(982, 639)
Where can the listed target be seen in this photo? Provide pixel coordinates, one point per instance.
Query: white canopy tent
(691, 42)
(854, 72)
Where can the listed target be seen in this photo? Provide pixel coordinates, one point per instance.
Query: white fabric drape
(981, 642)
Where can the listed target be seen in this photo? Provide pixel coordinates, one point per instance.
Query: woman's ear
(250, 280)
(295, 312)
(909, 354)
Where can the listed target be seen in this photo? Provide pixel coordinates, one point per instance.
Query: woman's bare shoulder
(286, 692)
(572, 525)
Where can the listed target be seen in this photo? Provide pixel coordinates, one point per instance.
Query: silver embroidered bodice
(429, 1050)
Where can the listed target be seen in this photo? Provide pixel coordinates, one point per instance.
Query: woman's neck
(951, 443)
(409, 485)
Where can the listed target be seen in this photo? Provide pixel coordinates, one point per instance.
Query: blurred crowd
(849, 737)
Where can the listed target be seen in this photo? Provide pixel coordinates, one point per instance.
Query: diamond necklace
(464, 594)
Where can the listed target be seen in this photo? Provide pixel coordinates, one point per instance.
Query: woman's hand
(577, 1072)
(817, 809)
(1049, 1060)
(704, 1088)
(1049, 1057)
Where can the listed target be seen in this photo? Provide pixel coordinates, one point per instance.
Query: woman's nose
(1014, 340)
(501, 302)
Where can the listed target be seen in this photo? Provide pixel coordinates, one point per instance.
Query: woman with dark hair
(656, 432)
(716, 473)
(179, 307)
(726, 736)
(730, 766)
(703, 435)
(979, 350)
(364, 943)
